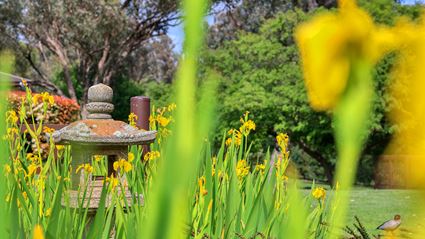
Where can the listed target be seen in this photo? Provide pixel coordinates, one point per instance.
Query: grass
(375, 206)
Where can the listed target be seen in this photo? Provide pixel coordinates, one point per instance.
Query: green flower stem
(168, 206)
(351, 123)
(6, 64)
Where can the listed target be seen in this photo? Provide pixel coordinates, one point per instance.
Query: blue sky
(412, 1)
(177, 35)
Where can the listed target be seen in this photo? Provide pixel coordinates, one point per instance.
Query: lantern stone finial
(100, 102)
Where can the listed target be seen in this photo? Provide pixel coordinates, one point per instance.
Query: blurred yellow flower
(48, 212)
(319, 193)
(32, 157)
(201, 184)
(36, 98)
(31, 169)
(25, 195)
(242, 169)
(122, 164)
(113, 182)
(11, 133)
(247, 126)
(151, 122)
(7, 169)
(11, 117)
(130, 157)
(163, 121)
(329, 44)
(238, 137)
(47, 98)
(38, 232)
(228, 141)
(164, 132)
(260, 168)
(408, 112)
(282, 141)
(214, 163)
(152, 155)
(98, 158)
(86, 167)
(132, 118)
(171, 107)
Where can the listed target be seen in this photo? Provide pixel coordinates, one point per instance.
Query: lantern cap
(99, 128)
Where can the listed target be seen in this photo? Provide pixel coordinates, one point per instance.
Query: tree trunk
(69, 85)
(85, 98)
(107, 79)
(320, 159)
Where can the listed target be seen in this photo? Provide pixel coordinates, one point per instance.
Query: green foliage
(260, 72)
(160, 94)
(124, 89)
(359, 231)
(225, 196)
(6, 65)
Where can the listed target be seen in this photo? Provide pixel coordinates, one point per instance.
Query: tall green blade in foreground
(6, 62)
(167, 205)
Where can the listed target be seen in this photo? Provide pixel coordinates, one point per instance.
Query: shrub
(61, 110)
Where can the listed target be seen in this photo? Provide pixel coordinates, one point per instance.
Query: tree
(260, 72)
(248, 15)
(93, 37)
(155, 60)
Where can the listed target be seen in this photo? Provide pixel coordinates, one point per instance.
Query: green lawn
(374, 206)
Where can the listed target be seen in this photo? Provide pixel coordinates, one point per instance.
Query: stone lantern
(99, 134)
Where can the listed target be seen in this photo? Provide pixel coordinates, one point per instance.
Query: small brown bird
(391, 225)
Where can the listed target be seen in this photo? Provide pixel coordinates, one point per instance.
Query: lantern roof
(99, 128)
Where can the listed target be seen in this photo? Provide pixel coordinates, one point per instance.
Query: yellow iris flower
(201, 183)
(130, 157)
(242, 169)
(38, 232)
(152, 155)
(122, 164)
(132, 118)
(113, 181)
(329, 43)
(409, 113)
(86, 167)
(319, 193)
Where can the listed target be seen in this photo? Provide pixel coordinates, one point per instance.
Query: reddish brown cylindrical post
(141, 106)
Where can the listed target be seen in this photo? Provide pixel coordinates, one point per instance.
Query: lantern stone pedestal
(99, 134)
